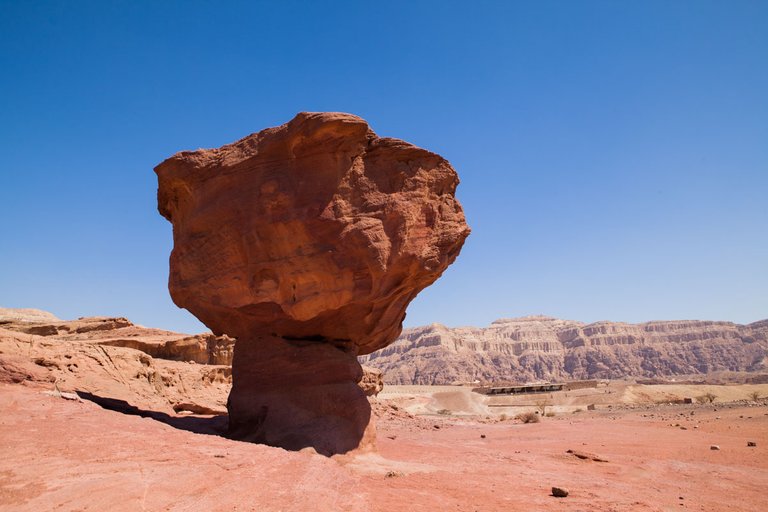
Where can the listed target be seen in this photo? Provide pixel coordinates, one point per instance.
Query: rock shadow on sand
(211, 425)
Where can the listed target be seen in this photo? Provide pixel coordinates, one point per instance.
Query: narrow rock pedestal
(299, 393)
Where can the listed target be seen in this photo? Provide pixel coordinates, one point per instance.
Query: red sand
(64, 455)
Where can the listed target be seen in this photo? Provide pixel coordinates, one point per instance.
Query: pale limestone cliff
(543, 348)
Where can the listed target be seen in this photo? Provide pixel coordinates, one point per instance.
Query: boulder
(372, 382)
(307, 242)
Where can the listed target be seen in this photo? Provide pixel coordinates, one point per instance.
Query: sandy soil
(461, 401)
(67, 455)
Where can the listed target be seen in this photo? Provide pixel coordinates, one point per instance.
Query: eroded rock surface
(372, 382)
(26, 315)
(315, 234)
(539, 348)
(114, 360)
(203, 348)
(314, 229)
(297, 394)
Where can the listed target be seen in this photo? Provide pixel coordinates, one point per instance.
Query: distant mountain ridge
(544, 348)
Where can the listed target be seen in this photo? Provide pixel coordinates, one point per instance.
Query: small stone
(559, 492)
(436, 427)
(751, 443)
(482, 436)
(714, 447)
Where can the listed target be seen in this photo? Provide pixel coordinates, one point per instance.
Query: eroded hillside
(545, 348)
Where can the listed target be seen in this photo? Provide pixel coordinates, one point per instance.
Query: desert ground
(102, 414)
(438, 448)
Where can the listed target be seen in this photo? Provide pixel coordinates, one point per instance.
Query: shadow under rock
(215, 425)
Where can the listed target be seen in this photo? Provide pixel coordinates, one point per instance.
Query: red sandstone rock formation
(116, 360)
(307, 242)
(372, 382)
(203, 348)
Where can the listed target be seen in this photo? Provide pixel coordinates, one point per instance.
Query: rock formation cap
(317, 229)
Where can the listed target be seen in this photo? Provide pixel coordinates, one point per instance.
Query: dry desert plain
(636, 455)
(102, 414)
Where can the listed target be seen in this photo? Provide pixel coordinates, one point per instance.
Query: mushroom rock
(307, 242)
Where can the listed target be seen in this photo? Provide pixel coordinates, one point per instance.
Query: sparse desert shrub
(528, 417)
(550, 415)
(444, 412)
(706, 398)
(503, 417)
(542, 405)
(754, 396)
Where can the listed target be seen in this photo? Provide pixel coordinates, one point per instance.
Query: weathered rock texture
(112, 358)
(115, 361)
(311, 236)
(121, 332)
(26, 315)
(299, 394)
(372, 382)
(543, 348)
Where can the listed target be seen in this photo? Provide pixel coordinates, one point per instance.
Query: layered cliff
(544, 348)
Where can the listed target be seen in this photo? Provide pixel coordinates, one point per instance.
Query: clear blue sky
(613, 155)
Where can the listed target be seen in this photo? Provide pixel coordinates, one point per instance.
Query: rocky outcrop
(372, 382)
(15, 369)
(311, 236)
(114, 360)
(121, 332)
(26, 315)
(201, 348)
(543, 348)
(73, 327)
